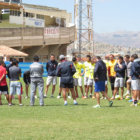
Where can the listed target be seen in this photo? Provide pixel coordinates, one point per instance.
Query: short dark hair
(120, 57)
(135, 56)
(127, 56)
(112, 55)
(52, 55)
(74, 59)
(88, 56)
(14, 62)
(1, 62)
(98, 57)
(36, 58)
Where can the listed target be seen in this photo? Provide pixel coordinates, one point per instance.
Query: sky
(109, 15)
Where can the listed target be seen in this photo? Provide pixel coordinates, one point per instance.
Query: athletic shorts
(86, 81)
(4, 89)
(119, 82)
(62, 85)
(15, 88)
(106, 83)
(135, 84)
(91, 82)
(77, 82)
(51, 79)
(99, 86)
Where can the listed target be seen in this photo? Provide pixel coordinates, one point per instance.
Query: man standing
(111, 72)
(36, 72)
(120, 69)
(15, 84)
(3, 83)
(51, 69)
(86, 66)
(100, 76)
(135, 75)
(66, 70)
(78, 76)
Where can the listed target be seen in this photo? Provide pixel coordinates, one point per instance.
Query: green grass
(55, 121)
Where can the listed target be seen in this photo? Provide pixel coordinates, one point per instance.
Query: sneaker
(69, 97)
(75, 103)
(85, 97)
(52, 96)
(97, 106)
(35, 96)
(110, 103)
(65, 104)
(58, 97)
(45, 96)
(41, 104)
(102, 98)
(135, 105)
(90, 96)
(10, 104)
(130, 101)
(26, 97)
(93, 97)
(20, 104)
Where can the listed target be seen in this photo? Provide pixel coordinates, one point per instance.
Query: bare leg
(53, 89)
(97, 97)
(122, 91)
(105, 95)
(76, 91)
(115, 91)
(64, 94)
(19, 98)
(87, 90)
(73, 93)
(47, 88)
(81, 88)
(7, 97)
(10, 99)
(0, 100)
(27, 87)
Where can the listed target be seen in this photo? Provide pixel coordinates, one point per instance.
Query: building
(40, 16)
(48, 30)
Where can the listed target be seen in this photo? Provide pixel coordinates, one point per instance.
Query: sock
(135, 101)
(59, 94)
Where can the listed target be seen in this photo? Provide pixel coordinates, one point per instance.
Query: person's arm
(73, 69)
(47, 66)
(58, 71)
(96, 71)
(19, 72)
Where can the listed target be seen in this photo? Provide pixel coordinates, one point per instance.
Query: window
(40, 16)
(30, 15)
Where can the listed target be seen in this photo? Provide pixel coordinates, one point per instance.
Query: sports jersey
(86, 66)
(111, 66)
(91, 71)
(78, 66)
(3, 72)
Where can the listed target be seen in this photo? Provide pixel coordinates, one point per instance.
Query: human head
(15, 62)
(133, 57)
(36, 58)
(62, 57)
(2, 63)
(74, 60)
(93, 60)
(52, 57)
(88, 58)
(111, 57)
(120, 59)
(98, 58)
(126, 58)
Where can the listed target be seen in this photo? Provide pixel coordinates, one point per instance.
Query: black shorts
(3, 89)
(62, 85)
(27, 82)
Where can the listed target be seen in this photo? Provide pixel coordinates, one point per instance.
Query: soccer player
(78, 76)
(135, 75)
(66, 70)
(86, 66)
(128, 63)
(51, 69)
(111, 71)
(36, 72)
(15, 84)
(91, 77)
(120, 69)
(3, 83)
(100, 76)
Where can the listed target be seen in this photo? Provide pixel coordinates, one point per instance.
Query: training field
(55, 121)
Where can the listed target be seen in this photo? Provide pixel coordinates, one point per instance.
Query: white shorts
(135, 84)
(90, 82)
(106, 83)
(119, 82)
(129, 81)
(51, 79)
(86, 81)
(77, 82)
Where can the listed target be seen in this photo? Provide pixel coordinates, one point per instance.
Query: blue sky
(109, 15)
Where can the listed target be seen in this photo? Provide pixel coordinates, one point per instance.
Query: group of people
(121, 72)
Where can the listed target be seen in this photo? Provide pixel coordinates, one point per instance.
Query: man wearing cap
(36, 72)
(66, 70)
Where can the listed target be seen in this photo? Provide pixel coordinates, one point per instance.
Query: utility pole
(83, 18)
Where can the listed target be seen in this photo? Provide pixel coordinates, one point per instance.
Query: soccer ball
(127, 97)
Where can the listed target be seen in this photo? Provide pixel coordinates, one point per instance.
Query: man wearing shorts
(66, 70)
(15, 84)
(91, 77)
(51, 69)
(135, 75)
(3, 83)
(100, 76)
(78, 76)
(120, 69)
(86, 66)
